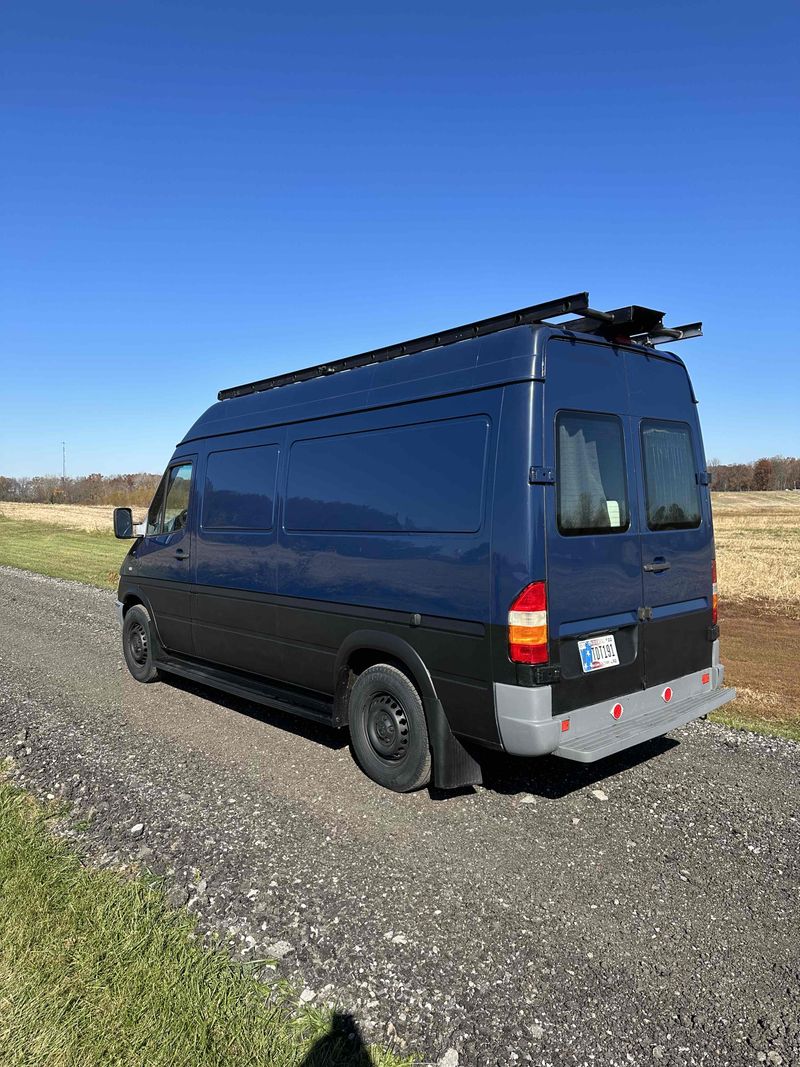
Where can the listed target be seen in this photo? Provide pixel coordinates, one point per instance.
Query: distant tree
(762, 475)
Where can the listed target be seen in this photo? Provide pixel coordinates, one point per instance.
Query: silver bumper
(528, 727)
(120, 611)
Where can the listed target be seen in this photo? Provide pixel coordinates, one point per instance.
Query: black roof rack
(634, 323)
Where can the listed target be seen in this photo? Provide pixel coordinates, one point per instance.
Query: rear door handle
(657, 566)
(181, 553)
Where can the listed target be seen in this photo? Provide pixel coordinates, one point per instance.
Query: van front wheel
(137, 644)
(388, 729)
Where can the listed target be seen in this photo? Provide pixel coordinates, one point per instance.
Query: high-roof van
(499, 536)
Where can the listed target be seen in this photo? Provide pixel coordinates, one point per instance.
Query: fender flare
(132, 590)
(453, 766)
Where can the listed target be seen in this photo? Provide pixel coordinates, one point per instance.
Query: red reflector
(714, 597)
(564, 725)
(616, 711)
(706, 679)
(667, 695)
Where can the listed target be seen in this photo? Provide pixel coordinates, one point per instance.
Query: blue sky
(197, 194)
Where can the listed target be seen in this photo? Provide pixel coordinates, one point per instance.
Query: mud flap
(453, 766)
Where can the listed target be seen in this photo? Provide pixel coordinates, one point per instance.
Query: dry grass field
(758, 562)
(758, 550)
(71, 516)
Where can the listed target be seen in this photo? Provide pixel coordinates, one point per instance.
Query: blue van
(499, 535)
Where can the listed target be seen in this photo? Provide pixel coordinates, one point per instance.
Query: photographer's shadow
(341, 1046)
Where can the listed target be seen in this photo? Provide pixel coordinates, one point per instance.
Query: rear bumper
(120, 611)
(528, 728)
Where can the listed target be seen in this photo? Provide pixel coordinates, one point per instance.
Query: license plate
(598, 652)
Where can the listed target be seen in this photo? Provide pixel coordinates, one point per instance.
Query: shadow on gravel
(324, 735)
(553, 778)
(545, 776)
(342, 1046)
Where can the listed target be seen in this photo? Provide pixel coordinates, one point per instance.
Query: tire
(388, 730)
(137, 644)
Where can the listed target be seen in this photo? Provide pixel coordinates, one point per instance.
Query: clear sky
(197, 194)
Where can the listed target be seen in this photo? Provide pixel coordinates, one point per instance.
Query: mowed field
(758, 563)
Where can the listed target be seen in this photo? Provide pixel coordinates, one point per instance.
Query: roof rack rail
(638, 324)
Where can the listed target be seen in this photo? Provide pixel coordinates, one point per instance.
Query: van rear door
(675, 519)
(593, 536)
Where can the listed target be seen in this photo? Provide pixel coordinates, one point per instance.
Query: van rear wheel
(388, 729)
(137, 644)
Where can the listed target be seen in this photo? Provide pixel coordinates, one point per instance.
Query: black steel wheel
(137, 644)
(388, 730)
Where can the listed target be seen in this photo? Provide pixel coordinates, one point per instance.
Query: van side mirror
(123, 523)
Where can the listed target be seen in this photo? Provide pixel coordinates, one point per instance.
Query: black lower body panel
(676, 646)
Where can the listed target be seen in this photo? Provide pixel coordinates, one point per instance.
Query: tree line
(134, 489)
(775, 472)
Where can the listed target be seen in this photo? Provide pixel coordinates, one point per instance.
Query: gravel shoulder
(641, 910)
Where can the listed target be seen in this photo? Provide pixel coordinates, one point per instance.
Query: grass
(96, 971)
(758, 549)
(61, 552)
(76, 516)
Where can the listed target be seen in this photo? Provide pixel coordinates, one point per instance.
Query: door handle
(657, 566)
(181, 553)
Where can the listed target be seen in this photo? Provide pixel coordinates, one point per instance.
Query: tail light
(714, 600)
(527, 625)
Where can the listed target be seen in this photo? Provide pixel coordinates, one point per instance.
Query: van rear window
(671, 491)
(426, 478)
(591, 482)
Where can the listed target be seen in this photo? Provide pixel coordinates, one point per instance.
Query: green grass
(94, 558)
(789, 728)
(96, 971)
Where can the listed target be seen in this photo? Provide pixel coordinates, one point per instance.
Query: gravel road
(643, 910)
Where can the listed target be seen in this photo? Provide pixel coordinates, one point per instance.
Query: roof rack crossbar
(666, 334)
(537, 313)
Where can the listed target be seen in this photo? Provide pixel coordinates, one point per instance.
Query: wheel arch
(134, 594)
(365, 648)
(453, 766)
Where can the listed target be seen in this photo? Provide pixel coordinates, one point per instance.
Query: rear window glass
(239, 491)
(671, 491)
(426, 478)
(591, 483)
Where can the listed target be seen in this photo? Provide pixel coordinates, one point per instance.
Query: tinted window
(156, 507)
(176, 508)
(591, 484)
(673, 499)
(172, 515)
(239, 491)
(425, 478)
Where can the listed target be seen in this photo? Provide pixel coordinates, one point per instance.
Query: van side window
(239, 492)
(176, 508)
(670, 478)
(591, 483)
(156, 508)
(426, 478)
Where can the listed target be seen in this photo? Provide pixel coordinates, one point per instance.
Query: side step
(251, 687)
(615, 736)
